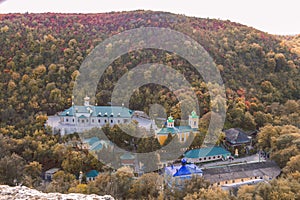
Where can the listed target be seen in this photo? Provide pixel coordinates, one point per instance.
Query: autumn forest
(40, 57)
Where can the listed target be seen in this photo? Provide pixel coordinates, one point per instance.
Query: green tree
(11, 169)
(61, 182)
(293, 165)
(148, 186)
(209, 194)
(33, 174)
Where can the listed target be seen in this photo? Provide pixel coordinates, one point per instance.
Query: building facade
(235, 175)
(81, 118)
(178, 175)
(207, 154)
(235, 137)
(183, 132)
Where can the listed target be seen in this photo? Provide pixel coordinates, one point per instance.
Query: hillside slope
(41, 54)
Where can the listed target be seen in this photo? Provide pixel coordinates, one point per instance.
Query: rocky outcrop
(25, 193)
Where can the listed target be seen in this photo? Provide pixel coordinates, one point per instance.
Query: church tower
(193, 120)
(86, 101)
(170, 122)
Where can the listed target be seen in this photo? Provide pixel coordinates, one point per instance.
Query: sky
(275, 17)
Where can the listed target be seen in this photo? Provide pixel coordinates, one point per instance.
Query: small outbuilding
(235, 137)
(178, 175)
(207, 154)
(49, 173)
(91, 175)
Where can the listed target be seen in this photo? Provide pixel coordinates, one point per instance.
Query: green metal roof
(100, 111)
(176, 129)
(92, 174)
(208, 151)
(91, 140)
(170, 119)
(96, 146)
(194, 115)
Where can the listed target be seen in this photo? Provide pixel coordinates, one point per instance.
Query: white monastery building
(81, 118)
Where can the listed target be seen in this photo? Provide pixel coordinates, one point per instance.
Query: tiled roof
(236, 136)
(208, 151)
(101, 111)
(245, 170)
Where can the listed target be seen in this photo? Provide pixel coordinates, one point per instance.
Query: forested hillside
(40, 56)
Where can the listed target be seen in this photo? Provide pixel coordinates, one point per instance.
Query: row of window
(209, 158)
(242, 180)
(99, 121)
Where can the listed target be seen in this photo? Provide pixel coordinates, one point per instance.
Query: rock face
(25, 193)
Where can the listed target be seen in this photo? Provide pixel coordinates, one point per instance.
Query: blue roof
(176, 129)
(100, 111)
(208, 151)
(183, 170)
(92, 174)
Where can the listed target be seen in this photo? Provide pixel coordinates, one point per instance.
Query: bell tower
(194, 120)
(170, 122)
(86, 101)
